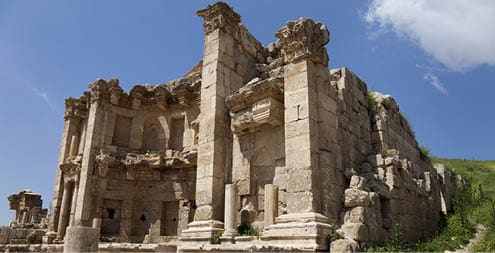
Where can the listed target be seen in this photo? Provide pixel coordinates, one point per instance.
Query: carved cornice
(134, 161)
(304, 39)
(76, 108)
(256, 91)
(257, 104)
(219, 16)
(181, 93)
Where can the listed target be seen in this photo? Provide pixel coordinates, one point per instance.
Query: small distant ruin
(255, 148)
(29, 223)
(28, 208)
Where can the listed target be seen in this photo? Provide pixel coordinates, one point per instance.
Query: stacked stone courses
(265, 138)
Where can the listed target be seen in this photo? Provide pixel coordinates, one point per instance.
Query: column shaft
(230, 210)
(271, 204)
(74, 146)
(64, 211)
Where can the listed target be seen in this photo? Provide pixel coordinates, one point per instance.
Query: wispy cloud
(44, 96)
(435, 82)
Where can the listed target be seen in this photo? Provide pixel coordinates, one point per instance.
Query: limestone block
(344, 245)
(300, 180)
(356, 231)
(81, 239)
(376, 160)
(358, 214)
(300, 202)
(355, 197)
(360, 183)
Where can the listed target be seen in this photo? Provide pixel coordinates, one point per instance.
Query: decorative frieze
(256, 104)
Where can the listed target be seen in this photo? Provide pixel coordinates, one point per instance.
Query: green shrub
(334, 235)
(424, 153)
(395, 243)
(371, 102)
(246, 230)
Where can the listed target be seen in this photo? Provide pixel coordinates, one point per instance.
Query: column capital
(304, 39)
(76, 108)
(219, 16)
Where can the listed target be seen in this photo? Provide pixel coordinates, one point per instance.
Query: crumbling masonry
(264, 137)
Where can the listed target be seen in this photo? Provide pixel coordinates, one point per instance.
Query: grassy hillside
(473, 203)
(481, 174)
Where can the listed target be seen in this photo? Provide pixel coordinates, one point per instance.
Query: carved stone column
(302, 43)
(24, 217)
(71, 125)
(74, 145)
(230, 213)
(94, 132)
(64, 211)
(73, 203)
(219, 80)
(271, 204)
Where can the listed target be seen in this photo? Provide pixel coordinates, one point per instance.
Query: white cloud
(435, 82)
(44, 97)
(458, 33)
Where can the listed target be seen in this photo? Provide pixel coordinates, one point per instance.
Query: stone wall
(264, 137)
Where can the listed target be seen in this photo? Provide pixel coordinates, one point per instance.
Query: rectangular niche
(111, 215)
(176, 133)
(170, 218)
(122, 131)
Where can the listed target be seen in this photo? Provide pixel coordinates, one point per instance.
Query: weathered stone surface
(344, 245)
(81, 239)
(298, 146)
(355, 197)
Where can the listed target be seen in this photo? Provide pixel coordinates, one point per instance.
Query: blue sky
(436, 59)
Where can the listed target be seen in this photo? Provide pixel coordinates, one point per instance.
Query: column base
(307, 231)
(201, 232)
(81, 239)
(228, 236)
(49, 237)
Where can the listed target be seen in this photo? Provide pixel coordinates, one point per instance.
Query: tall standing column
(94, 132)
(71, 126)
(219, 79)
(64, 211)
(230, 213)
(73, 203)
(304, 223)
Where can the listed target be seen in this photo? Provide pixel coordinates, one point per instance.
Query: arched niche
(153, 135)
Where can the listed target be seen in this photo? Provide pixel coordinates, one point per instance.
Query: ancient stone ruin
(255, 148)
(29, 223)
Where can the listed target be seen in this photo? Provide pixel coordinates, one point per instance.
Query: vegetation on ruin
(473, 203)
(424, 152)
(481, 174)
(246, 230)
(371, 102)
(334, 234)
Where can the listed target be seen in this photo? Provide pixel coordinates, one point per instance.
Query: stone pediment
(257, 103)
